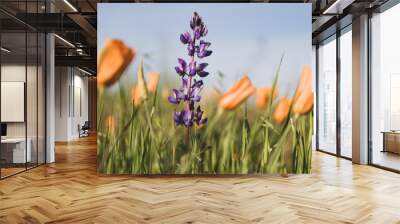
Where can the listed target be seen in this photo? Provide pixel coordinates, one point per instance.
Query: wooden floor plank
(70, 191)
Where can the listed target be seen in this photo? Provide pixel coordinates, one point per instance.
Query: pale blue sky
(246, 38)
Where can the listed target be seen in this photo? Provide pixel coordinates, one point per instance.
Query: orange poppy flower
(141, 85)
(245, 81)
(110, 124)
(304, 83)
(153, 78)
(262, 96)
(151, 87)
(282, 110)
(303, 100)
(237, 94)
(135, 94)
(304, 103)
(113, 60)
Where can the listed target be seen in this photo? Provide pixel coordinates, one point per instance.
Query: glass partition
(385, 89)
(327, 96)
(14, 153)
(346, 93)
(22, 77)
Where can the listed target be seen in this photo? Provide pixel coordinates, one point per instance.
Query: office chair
(84, 130)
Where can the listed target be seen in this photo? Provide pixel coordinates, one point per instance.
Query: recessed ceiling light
(70, 5)
(5, 50)
(84, 71)
(64, 40)
(337, 7)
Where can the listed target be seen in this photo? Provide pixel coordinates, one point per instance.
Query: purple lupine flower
(176, 97)
(191, 48)
(199, 117)
(197, 32)
(192, 68)
(203, 49)
(189, 91)
(200, 70)
(197, 84)
(185, 37)
(204, 31)
(181, 69)
(178, 118)
(187, 118)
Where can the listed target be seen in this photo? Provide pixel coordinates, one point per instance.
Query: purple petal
(201, 67)
(192, 68)
(197, 33)
(205, 31)
(185, 83)
(203, 74)
(203, 54)
(204, 45)
(191, 49)
(203, 121)
(182, 63)
(179, 70)
(196, 98)
(178, 118)
(173, 100)
(187, 118)
(197, 84)
(185, 37)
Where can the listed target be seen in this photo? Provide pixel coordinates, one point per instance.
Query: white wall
(33, 127)
(61, 103)
(71, 94)
(16, 73)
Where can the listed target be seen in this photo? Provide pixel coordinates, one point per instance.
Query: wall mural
(204, 89)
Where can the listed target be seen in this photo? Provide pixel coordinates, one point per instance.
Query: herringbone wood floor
(70, 191)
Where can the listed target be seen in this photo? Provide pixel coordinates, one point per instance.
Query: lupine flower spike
(191, 73)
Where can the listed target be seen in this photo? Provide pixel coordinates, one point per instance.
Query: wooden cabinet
(391, 142)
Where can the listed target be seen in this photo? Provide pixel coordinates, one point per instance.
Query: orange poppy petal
(153, 77)
(243, 82)
(233, 100)
(262, 96)
(305, 82)
(110, 123)
(304, 103)
(113, 60)
(282, 110)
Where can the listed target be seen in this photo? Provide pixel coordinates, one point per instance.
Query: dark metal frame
(338, 152)
(0, 89)
(338, 98)
(316, 96)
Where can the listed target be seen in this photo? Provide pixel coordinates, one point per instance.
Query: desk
(13, 150)
(391, 141)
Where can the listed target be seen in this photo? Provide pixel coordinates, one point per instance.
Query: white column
(360, 90)
(50, 94)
